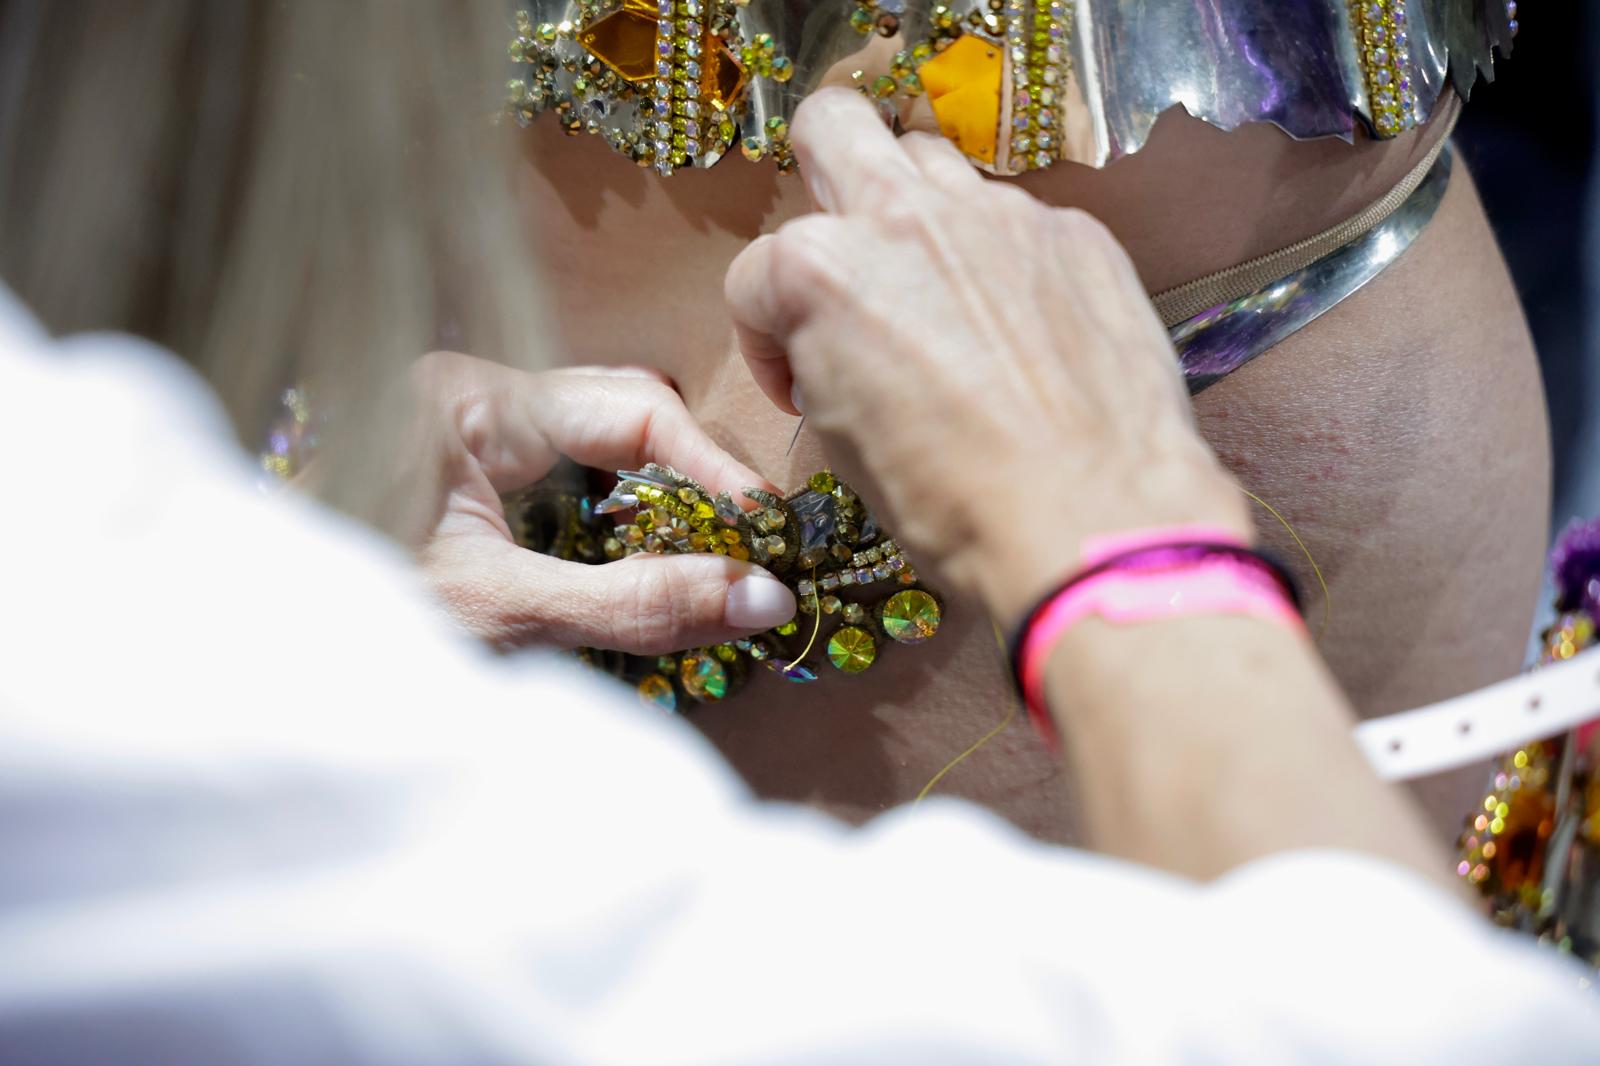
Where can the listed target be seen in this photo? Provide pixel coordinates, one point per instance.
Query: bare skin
(1403, 435)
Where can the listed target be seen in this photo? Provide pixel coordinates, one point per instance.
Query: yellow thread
(990, 735)
(816, 601)
(1327, 615)
(953, 763)
(1327, 598)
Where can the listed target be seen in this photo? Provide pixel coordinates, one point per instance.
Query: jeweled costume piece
(1020, 85)
(1017, 84)
(856, 591)
(1533, 846)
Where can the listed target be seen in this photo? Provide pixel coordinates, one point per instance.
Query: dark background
(1529, 138)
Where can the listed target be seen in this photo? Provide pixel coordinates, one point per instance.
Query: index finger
(514, 423)
(850, 160)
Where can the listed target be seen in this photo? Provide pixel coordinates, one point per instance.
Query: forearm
(1201, 743)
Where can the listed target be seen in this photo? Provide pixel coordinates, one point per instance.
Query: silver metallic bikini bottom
(1221, 322)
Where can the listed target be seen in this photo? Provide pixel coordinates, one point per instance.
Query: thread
(816, 629)
(1010, 717)
(1011, 714)
(1322, 583)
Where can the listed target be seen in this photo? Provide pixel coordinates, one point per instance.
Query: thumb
(644, 604)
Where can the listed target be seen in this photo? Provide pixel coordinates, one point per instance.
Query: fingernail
(757, 602)
(794, 398)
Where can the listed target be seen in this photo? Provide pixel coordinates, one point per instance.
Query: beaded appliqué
(663, 81)
(1532, 848)
(1384, 42)
(855, 588)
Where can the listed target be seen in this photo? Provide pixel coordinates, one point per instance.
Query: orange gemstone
(721, 75)
(625, 40)
(963, 85)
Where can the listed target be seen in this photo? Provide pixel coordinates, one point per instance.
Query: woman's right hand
(991, 364)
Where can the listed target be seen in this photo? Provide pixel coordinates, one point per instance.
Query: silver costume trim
(1219, 341)
(1293, 63)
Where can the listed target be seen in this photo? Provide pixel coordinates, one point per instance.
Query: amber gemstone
(721, 75)
(963, 85)
(625, 40)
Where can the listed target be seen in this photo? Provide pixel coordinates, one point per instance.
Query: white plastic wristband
(1483, 724)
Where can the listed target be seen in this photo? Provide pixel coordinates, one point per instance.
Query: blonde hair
(282, 191)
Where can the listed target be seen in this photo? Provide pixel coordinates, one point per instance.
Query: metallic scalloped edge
(1133, 60)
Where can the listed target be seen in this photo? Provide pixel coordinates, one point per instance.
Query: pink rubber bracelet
(1148, 576)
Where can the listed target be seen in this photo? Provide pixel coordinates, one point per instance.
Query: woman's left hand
(500, 430)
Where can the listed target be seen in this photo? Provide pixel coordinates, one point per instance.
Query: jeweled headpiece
(1017, 84)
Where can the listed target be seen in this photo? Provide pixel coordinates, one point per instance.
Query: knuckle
(657, 609)
(807, 254)
(905, 211)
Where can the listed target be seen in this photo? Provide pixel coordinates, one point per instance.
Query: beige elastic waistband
(1182, 303)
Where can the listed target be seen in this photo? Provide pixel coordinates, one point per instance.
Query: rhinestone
(796, 672)
(656, 692)
(704, 677)
(911, 617)
(852, 650)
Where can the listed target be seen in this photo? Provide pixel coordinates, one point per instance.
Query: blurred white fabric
(260, 805)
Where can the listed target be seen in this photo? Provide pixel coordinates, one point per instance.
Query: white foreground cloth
(258, 805)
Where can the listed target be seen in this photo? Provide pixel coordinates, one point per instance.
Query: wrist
(1012, 563)
(1146, 578)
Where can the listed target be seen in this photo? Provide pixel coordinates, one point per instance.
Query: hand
(992, 364)
(500, 430)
